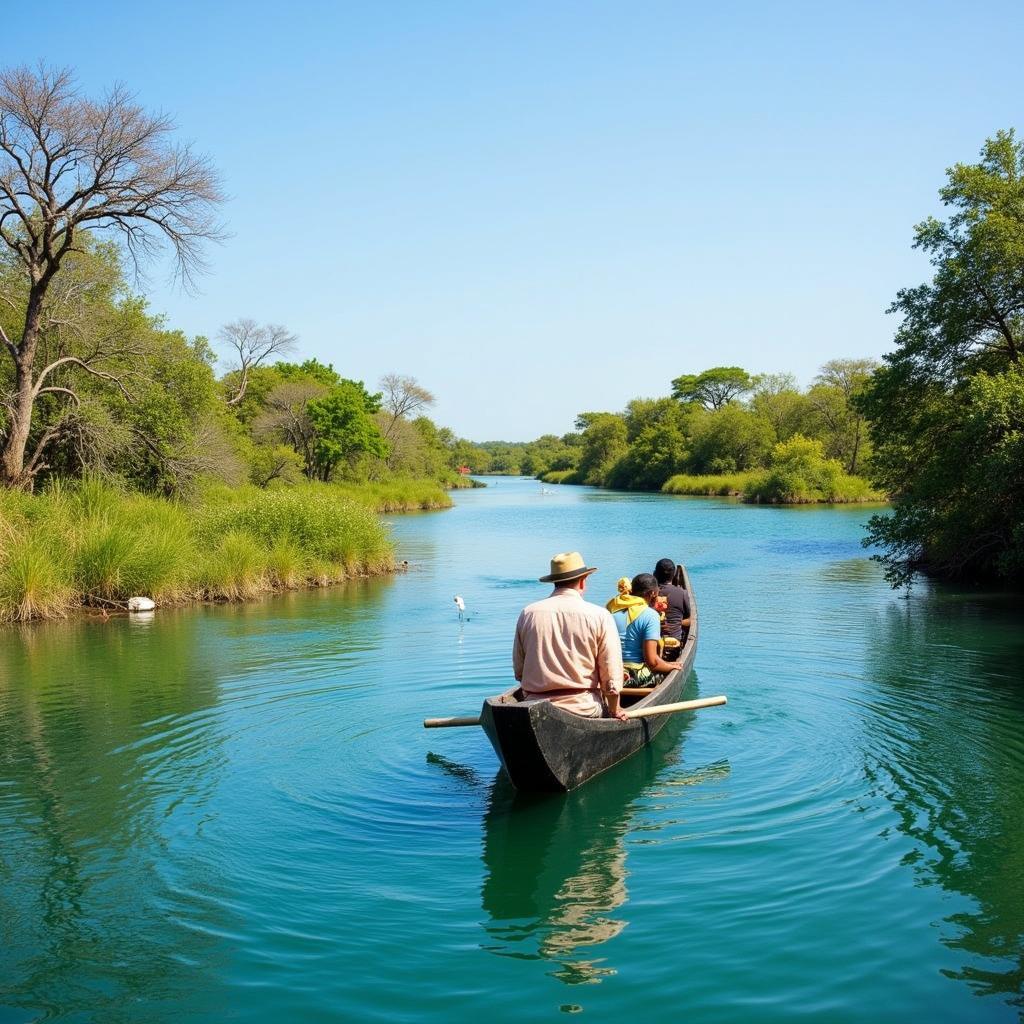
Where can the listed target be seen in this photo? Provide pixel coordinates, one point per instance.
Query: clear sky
(541, 208)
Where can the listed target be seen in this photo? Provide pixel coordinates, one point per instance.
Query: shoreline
(87, 550)
(714, 490)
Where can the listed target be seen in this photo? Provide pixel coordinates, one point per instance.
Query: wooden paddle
(683, 705)
(446, 723)
(662, 709)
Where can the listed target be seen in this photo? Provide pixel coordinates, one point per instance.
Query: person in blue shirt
(640, 633)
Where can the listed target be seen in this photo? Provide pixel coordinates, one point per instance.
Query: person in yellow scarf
(625, 601)
(639, 627)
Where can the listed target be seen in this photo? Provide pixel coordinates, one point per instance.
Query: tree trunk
(12, 454)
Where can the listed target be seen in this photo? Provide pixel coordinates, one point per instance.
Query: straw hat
(567, 567)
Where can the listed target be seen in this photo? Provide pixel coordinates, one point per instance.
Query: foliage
(833, 399)
(800, 472)
(713, 388)
(560, 476)
(731, 440)
(946, 409)
(92, 543)
(71, 165)
(603, 443)
(778, 401)
(343, 429)
(725, 484)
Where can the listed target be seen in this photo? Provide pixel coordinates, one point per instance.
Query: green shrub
(800, 473)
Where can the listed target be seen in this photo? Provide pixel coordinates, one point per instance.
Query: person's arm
(653, 662)
(609, 666)
(651, 627)
(518, 655)
(614, 710)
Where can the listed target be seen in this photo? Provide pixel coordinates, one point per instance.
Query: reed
(722, 484)
(560, 476)
(95, 544)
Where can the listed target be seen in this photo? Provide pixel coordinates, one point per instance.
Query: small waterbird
(460, 604)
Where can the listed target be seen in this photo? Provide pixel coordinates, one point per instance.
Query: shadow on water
(556, 866)
(949, 757)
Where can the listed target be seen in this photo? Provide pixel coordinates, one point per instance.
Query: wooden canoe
(543, 747)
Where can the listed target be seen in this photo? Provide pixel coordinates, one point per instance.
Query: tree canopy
(947, 409)
(713, 388)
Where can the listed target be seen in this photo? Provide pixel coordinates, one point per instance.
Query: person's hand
(621, 715)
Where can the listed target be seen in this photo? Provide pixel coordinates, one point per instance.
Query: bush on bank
(799, 473)
(92, 544)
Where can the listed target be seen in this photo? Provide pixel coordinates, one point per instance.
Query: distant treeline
(938, 427)
(761, 435)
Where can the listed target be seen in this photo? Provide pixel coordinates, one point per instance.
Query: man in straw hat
(567, 650)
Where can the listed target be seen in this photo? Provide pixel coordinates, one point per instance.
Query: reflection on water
(234, 813)
(81, 809)
(940, 749)
(556, 866)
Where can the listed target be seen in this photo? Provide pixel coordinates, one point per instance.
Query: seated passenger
(677, 615)
(640, 632)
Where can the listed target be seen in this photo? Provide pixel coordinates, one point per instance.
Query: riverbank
(95, 546)
(759, 487)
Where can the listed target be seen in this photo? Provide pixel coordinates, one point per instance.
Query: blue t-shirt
(646, 626)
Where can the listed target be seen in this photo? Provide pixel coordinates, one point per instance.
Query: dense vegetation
(947, 408)
(722, 431)
(92, 544)
(112, 422)
(128, 464)
(938, 428)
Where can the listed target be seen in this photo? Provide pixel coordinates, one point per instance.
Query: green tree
(778, 401)
(343, 428)
(657, 432)
(839, 422)
(713, 388)
(946, 410)
(604, 442)
(733, 439)
(70, 165)
(799, 471)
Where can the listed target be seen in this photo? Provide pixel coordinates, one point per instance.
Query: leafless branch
(402, 397)
(253, 343)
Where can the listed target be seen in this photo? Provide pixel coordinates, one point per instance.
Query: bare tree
(402, 397)
(252, 344)
(285, 418)
(70, 166)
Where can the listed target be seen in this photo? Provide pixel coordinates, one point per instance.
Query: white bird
(460, 604)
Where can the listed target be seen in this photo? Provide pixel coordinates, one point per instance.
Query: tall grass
(92, 544)
(399, 495)
(721, 484)
(560, 476)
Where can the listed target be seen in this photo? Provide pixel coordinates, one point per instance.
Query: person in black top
(677, 616)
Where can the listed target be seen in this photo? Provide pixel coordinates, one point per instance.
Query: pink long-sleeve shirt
(569, 649)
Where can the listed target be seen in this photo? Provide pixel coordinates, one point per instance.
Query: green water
(233, 814)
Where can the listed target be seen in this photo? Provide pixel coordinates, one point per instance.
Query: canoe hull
(544, 748)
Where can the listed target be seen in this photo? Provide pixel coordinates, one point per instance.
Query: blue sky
(538, 209)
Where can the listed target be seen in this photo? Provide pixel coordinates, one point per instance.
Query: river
(232, 813)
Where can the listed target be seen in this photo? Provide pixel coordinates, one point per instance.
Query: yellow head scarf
(625, 601)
